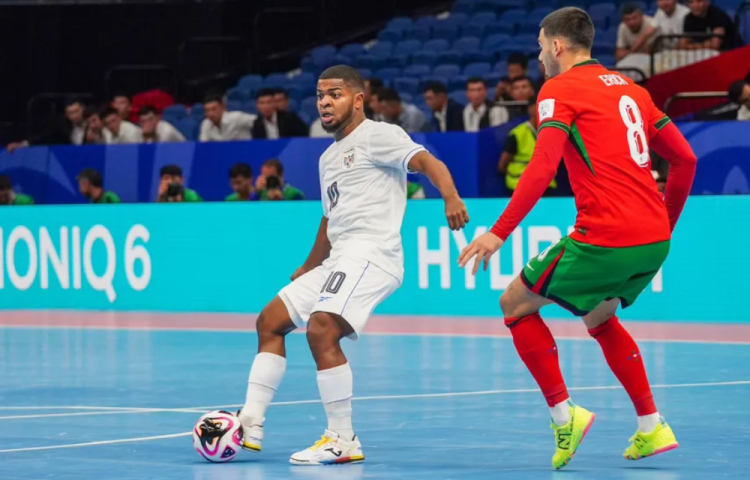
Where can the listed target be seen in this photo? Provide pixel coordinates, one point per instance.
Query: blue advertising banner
(235, 257)
(132, 171)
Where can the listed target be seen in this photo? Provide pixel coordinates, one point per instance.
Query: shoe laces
(324, 440)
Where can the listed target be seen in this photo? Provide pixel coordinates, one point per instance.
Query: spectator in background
(518, 149)
(9, 197)
(281, 99)
(739, 93)
(502, 90)
(271, 186)
(635, 33)
(220, 125)
(71, 130)
(405, 115)
(119, 131)
(273, 124)
(480, 113)
(121, 102)
(172, 187)
(522, 89)
(518, 65)
(156, 130)
(94, 127)
(670, 20)
(706, 18)
(241, 181)
(371, 85)
(91, 186)
(447, 115)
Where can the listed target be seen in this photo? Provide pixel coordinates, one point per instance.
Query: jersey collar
(593, 61)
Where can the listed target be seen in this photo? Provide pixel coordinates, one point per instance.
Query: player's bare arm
(455, 210)
(320, 250)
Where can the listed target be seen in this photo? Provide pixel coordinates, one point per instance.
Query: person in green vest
(172, 187)
(271, 186)
(241, 181)
(91, 186)
(414, 191)
(518, 149)
(9, 197)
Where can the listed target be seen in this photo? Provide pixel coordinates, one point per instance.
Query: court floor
(88, 396)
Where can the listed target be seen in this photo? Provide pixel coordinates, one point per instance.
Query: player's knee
(321, 330)
(270, 324)
(507, 304)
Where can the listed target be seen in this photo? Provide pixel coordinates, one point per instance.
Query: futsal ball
(218, 436)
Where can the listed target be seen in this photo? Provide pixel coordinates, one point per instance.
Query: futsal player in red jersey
(602, 125)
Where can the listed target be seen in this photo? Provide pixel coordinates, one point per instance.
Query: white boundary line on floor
(304, 402)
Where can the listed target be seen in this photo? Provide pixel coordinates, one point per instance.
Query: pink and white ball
(218, 436)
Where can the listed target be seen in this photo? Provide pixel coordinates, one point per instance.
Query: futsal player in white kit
(355, 263)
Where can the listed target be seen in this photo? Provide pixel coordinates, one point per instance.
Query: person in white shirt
(635, 33)
(119, 131)
(670, 20)
(72, 131)
(480, 113)
(220, 125)
(739, 93)
(156, 130)
(355, 263)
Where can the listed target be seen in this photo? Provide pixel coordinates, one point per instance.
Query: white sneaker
(252, 433)
(330, 450)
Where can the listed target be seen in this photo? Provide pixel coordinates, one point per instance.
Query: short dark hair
(72, 101)
(109, 111)
(629, 8)
(532, 100)
(572, 24)
(386, 94)
(275, 163)
(521, 78)
(518, 58)
(435, 87)
(92, 175)
(348, 74)
(375, 83)
(213, 96)
(265, 92)
(121, 94)
(171, 170)
(735, 90)
(147, 110)
(281, 91)
(476, 80)
(241, 170)
(5, 183)
(89, 112)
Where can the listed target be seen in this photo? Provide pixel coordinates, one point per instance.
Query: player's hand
(482, 248)
(299, 272)
(455, 212)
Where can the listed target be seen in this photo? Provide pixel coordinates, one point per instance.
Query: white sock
(336, 387)
(647, 423)
(561, 413)
(265, 377)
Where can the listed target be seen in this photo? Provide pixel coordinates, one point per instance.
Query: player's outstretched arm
(320, 250)
(672, 146)
(455, 210)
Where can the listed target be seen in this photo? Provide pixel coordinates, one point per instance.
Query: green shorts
(578, 276)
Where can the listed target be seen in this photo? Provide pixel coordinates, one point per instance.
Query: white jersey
(363, 184)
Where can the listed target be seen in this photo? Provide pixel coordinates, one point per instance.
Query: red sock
(537, 349)
(624, 358)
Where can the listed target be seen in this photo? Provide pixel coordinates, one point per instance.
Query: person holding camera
(241, 181)
(172, 188)
(270, 184)
(91, 186)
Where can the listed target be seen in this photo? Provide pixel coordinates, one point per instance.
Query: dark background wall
(60, 46)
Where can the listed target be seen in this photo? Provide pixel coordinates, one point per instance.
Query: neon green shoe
(644, 445)
(569, 436)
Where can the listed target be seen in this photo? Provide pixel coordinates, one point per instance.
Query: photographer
(241, 181)
(91, 186)
(270, 184)
(172, 188)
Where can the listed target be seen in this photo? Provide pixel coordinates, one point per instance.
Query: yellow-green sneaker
(644, 445)
(569, 436)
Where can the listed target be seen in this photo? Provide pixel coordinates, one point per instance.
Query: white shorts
(346, 286)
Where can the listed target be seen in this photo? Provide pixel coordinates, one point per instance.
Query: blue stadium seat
(500, 27)
(189, 127)
(455, 19)
(457, 83)
(416, 71)
(307, 63)
(391, 35)
(605, 8)
(408, 47)
(494, 43)
(533, 70)
(175, 112)
(323, 51)
(408, 85)
(450, 56)
(400, 23)
(466, 44)
(428, 21)
(446, 32)
(365, 72)
(388, 74)
(352, 49)
(492, 79)
(306, 117)
(197, 111)
(249, 107)
(515, 16)
(483, 18)
(424, 57)
(250, 82)
(477, 69)
(459, 96)
(501, 67)
(400, 60)
(447, 71)
(464, 6)
(499, 5)
(437, 45)
(275, 80)
(473, 30)
(310, 104)
(382, 48)
(607, 60)
(238, 94)
(418, 32)
(538, 14)
(305, 78)
(476, 56)
(234, 105)
(406, 97)
(600, 48)
(433, 78)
